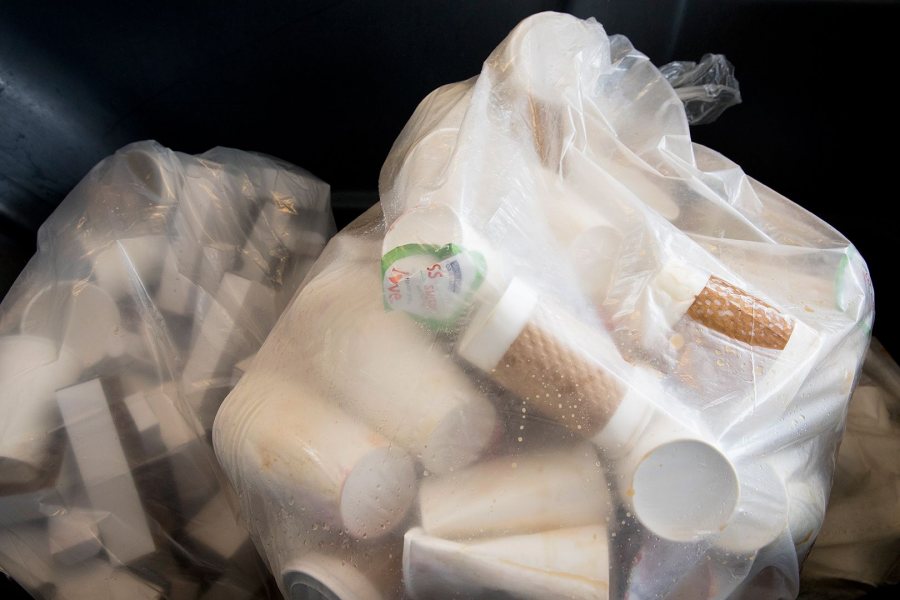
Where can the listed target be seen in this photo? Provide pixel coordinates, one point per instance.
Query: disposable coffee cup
(680, 290)
(31, 369)
(761, 513)
(566, 563)
(295, 446)
(681, 485)
(515, 494)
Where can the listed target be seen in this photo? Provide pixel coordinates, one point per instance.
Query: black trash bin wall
(329, 84)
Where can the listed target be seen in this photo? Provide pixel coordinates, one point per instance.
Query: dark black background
(329, 84)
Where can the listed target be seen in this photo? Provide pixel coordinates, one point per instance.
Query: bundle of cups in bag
(570, 355)
(155, 282)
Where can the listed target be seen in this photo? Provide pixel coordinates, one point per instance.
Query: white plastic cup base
(377, 493)
(684, 490)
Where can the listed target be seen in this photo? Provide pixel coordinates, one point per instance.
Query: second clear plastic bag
(155, 282)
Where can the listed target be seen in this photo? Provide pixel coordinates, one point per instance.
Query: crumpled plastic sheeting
(860, 539)
(155, 281)
(707, 88)
(570, 355)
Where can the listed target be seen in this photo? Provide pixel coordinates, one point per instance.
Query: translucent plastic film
(155, 282)
(860, 539)
(570, 355)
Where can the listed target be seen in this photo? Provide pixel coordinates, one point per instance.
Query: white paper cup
(680, 487)
(567, 563)
(296, 447)
(761, 514)
(81, 315)
(517, 494)
(31, 370)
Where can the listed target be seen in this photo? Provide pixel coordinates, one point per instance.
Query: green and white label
(434, 284)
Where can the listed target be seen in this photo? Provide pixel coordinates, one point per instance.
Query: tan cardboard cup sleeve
(720, 306)
(516, 342)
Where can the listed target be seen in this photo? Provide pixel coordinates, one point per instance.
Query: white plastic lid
(495, 327)
(684, 489)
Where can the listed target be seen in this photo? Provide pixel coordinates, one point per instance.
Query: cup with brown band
(682, 291)
(568, 372)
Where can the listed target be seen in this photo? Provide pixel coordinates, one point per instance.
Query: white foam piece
(250, 303)
(131, 266)
(568, 563)
(219, 342)
(28, 506)
(31, 370)
(174, 429)
(177, 293)
(105, 471)
(216, 527)
(74, 536)
(517, 494)
(146, 422)
(85, 316)
(278, 232)
(97, 578)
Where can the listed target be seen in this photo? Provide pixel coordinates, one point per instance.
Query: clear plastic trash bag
(154, 283)
(570, 355)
